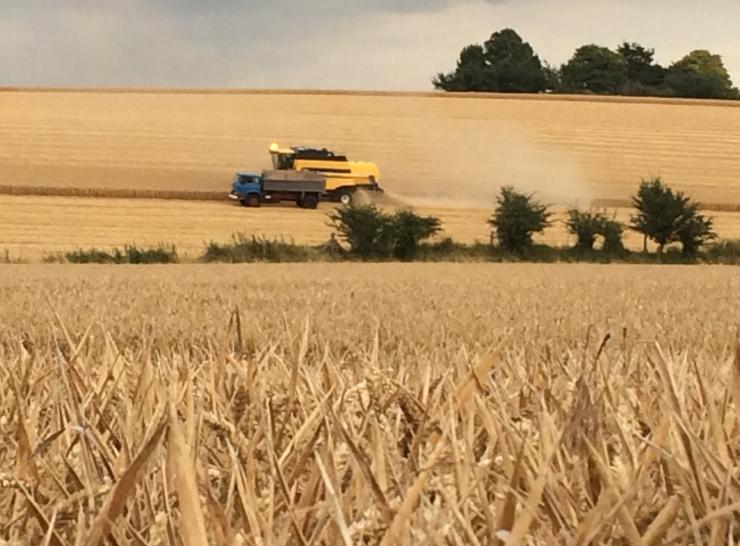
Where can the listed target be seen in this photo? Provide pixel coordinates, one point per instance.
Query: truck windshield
(282, 162)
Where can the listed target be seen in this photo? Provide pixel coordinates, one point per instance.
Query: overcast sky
(351, 44)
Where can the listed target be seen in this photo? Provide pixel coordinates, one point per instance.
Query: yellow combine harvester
(343, 177)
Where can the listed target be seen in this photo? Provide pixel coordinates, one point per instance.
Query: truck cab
(247, 188)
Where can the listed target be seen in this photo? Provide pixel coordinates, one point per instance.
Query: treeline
(506, 63)
(366, 233)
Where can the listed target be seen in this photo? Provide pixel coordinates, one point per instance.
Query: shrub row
(661, 215)
(130, 254)
(244, 248)
(249, 249)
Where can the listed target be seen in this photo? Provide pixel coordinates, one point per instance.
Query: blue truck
(304, 188)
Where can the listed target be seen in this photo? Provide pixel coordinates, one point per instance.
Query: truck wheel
(309, 201)
(345, 197)
(252, 200)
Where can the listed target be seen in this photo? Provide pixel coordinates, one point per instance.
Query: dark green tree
(701, 74)
(588, 225)
(505, 63)
(657, 213)
(694, 232)
(594, 69)
(516, 218)
(585, 226)
(408, 230)
(372, 233)
(471, 73)
(666, 216)
(644, 75)
(553, 80)
(612, 231)
(365, 228)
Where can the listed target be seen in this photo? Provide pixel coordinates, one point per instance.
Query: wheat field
(34, 226)
(443, 154)
(428, 145)
(369, 404)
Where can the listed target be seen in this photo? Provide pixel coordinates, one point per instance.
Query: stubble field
(446, 155)
(365, 404)
(33, 226)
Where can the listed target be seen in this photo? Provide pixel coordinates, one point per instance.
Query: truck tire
(251, 200)
(309, 201)
(345, 197)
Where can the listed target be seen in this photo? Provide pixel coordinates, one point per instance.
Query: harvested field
(413, 404)
(31, 226)
(444, 154)
(451, 148)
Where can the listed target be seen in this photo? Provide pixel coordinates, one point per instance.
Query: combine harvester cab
(343, 177)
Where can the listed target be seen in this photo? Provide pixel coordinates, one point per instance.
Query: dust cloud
(466, 165)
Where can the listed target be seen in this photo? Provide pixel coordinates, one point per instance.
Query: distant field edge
(47, 191)
(626, 203)
(124, 193)
(374, 93)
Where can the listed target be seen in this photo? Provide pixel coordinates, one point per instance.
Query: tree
(594, 69)
(470, 75)
(644, 76)
(553, 81)
(612, 232)
(657, 213)
(701, 74)
(505, 63)
(516, 218)
(364, 227)
(586, 226)
(667, 217)
(408, 230)
(695, 232)
(372, 233)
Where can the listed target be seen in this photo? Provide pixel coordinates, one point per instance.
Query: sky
(329, 44)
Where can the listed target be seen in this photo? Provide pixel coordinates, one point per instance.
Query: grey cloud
(334, 43)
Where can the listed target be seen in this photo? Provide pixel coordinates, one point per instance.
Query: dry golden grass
(349, 404)
(32, 225)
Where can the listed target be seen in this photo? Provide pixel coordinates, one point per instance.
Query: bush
(448, 250)
(7, 258)
(612, 231)
(408, 230)
(516, 218)
(248, 249)
(156, 255)
(89, 256)
(130, 254)
(725, 251)
(587, 226)
(667, 217)
(365, 228)
(694, 231)
(372, 233)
